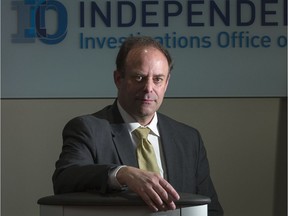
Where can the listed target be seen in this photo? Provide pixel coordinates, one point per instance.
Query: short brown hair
(135, 42)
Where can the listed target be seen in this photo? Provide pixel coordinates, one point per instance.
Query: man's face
(141, 90)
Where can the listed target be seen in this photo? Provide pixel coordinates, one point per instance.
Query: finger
(161, 198)
(160, 190)
(155, 197)
(162, 204)
(146, 198)
(168, 194)
(172, 193)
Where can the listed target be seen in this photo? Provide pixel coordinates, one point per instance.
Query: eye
(158, 79)
(138, 78)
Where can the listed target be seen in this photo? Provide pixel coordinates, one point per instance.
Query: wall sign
(67, 49)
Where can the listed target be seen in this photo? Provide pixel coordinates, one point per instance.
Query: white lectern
(116, 204)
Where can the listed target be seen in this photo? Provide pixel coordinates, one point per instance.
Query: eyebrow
(142, 74)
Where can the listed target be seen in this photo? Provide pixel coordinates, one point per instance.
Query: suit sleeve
(77, 169)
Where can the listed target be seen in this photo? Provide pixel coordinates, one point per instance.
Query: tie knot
(142, 132)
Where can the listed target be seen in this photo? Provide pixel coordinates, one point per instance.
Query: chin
(146, 112)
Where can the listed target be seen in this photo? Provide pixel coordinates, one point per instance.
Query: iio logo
(31, 21)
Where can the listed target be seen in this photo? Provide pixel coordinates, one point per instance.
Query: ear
(117, 78)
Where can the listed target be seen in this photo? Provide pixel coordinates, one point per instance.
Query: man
(100, 151)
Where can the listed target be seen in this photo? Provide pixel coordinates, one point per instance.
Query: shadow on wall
(280, 188)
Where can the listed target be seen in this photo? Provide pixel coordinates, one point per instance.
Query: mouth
(145, 100)
(148, 100)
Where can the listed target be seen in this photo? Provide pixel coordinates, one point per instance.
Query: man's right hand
(156, 192)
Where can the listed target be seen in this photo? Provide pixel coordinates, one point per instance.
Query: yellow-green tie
(145, 152)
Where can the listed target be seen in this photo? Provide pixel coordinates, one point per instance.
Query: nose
(148, 86)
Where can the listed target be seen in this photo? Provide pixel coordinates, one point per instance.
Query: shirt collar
(132, 124)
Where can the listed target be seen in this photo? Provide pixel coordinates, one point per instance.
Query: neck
(145, 120)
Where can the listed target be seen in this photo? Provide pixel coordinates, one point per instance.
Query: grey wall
(245, 139)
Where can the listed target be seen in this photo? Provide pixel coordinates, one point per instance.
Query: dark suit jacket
(94, 144)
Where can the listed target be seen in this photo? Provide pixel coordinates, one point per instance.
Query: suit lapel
(121, 137)
(124, 145)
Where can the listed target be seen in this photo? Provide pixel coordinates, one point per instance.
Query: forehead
(151, 55)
